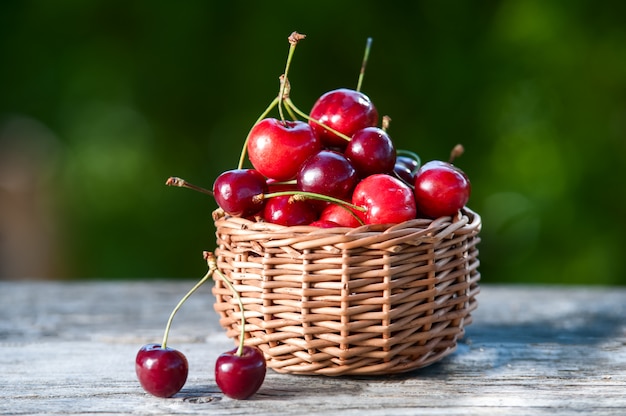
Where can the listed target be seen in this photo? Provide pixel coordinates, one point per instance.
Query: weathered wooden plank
(68, 348)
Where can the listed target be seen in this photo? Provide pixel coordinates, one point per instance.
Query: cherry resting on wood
(161, 371)
(239, 377)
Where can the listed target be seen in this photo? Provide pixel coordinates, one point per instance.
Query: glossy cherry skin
(387, 200)
(405, 168)
(340, 215)
(238, 192)
(324, 224)
(287, 211)
(239, 377)
(162, 372)
(343, 110)
(401, 171)
(441, 189)
(371, 151)
(409, 162)
(277, 149)
(328, 173)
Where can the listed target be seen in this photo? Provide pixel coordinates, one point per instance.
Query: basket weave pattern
(338, 301)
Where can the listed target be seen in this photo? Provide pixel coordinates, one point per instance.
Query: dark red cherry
(277, 148)
(343, 110)
(386, 200)
(410, 163)
(403, 172)
(371, 151)
(328, 173)
(441, 189)
(289, 211)
(162, 372)
(238, 192)
(239, 377)
(406, 167)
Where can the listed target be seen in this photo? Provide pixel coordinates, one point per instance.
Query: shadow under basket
(349, 301)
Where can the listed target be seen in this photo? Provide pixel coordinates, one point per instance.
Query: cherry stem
(368, 46)
(386, 122)
(181, 183)
(308, 118)
(213, 267)
(244, 149)
(313, 195)
(294, 38)
(283, 92)
(180, 303)
(174, 181)
(359, 220)
(457, 151)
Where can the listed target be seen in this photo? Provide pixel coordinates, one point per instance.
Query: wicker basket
(339, 301)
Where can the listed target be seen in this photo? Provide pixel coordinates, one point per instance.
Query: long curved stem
(308, 118)
(366, 55)
(181, 183)
(283, 91)
(244, 149)
(241, 308)
(293, 42)
(180, 303)
(312, 195)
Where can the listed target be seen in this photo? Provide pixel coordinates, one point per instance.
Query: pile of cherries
(332, 167)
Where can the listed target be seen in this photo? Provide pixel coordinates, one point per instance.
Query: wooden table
(69, 348)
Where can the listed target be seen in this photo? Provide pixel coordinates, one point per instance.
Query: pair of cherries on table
(335, 169)
(162, 371)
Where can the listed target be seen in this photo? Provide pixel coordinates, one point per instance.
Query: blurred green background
(102, 100)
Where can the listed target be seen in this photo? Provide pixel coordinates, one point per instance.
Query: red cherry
(343, 110)
(328, 173)
(371, 151)
(324, 224)
(238, 191)
(277, 148)
(162, 372)
(340, 215)
(387, 200)
(441, 189)
(289, 211)
(239, 377)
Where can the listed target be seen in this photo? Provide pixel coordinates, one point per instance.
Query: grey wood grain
(69, 348)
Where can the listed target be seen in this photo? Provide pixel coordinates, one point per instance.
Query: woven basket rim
(473, 221)
(386, 236)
